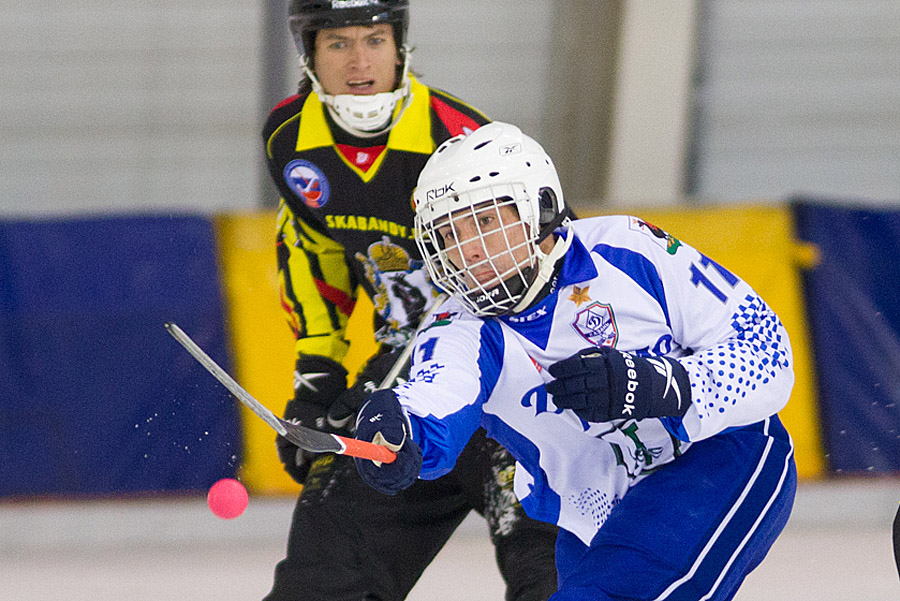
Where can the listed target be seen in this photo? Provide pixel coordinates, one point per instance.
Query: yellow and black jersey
(346, 217)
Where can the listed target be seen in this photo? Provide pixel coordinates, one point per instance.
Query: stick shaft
(305, 438)
(226, 380)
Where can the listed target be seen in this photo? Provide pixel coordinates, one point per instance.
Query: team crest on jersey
(660, 236)
(308, 181)
(596, 323)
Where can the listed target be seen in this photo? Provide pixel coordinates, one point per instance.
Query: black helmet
(306, 17)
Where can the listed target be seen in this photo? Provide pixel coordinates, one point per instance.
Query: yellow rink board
(755, 243)
(262, 342)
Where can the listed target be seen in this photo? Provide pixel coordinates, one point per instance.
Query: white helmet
(474, 247)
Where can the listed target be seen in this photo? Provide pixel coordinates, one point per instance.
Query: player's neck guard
(365, 116)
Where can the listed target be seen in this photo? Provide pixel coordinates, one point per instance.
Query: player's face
(361, 59)
(488, 243)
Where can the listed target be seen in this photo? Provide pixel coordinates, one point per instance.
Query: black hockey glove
(381, 420)
(318, 381)
(342, 412)
(603, 384)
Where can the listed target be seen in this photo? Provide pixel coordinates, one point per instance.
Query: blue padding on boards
(95, 397)
(853, 305)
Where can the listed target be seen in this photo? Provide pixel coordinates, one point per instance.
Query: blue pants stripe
(713, 565)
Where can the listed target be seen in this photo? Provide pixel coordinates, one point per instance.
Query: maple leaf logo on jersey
(308, 182)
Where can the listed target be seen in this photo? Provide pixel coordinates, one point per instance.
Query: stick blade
(324, 442)
(312, 440)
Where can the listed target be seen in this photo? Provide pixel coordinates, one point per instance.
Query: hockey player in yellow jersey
(345, 153)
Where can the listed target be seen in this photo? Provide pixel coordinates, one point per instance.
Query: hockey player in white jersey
(634, 379)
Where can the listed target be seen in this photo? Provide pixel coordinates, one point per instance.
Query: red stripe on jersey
(455, 121)
(293, 322)
(361, 156)
(341, 299)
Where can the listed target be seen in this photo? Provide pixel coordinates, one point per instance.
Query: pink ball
(227, 498)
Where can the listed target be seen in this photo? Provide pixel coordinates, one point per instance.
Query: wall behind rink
(95, 398)
(116, 106)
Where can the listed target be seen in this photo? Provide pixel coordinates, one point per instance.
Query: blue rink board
(95, 397)
(853, 306)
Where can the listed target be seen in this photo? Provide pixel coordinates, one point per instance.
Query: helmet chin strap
(345, 108)
(548, 264)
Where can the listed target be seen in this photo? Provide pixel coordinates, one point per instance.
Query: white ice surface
(837, 547)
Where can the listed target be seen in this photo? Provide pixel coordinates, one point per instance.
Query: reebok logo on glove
(664, 368)
(628, 408)
(605, 384)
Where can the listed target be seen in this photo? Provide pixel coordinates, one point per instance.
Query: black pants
(349, 542)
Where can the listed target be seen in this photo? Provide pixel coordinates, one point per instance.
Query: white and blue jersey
(624, 284)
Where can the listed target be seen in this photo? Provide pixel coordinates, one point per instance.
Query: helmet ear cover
(547, 208)
(550, 216)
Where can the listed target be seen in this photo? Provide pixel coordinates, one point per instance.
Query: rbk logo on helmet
(436, 193)
(308, 182)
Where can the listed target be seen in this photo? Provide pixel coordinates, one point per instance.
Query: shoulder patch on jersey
(308, 181)
(596, 323)
(442, 318)
(661, 237)
(580, 295)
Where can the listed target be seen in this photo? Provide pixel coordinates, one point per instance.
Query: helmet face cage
(496, 165)
(483, 253)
